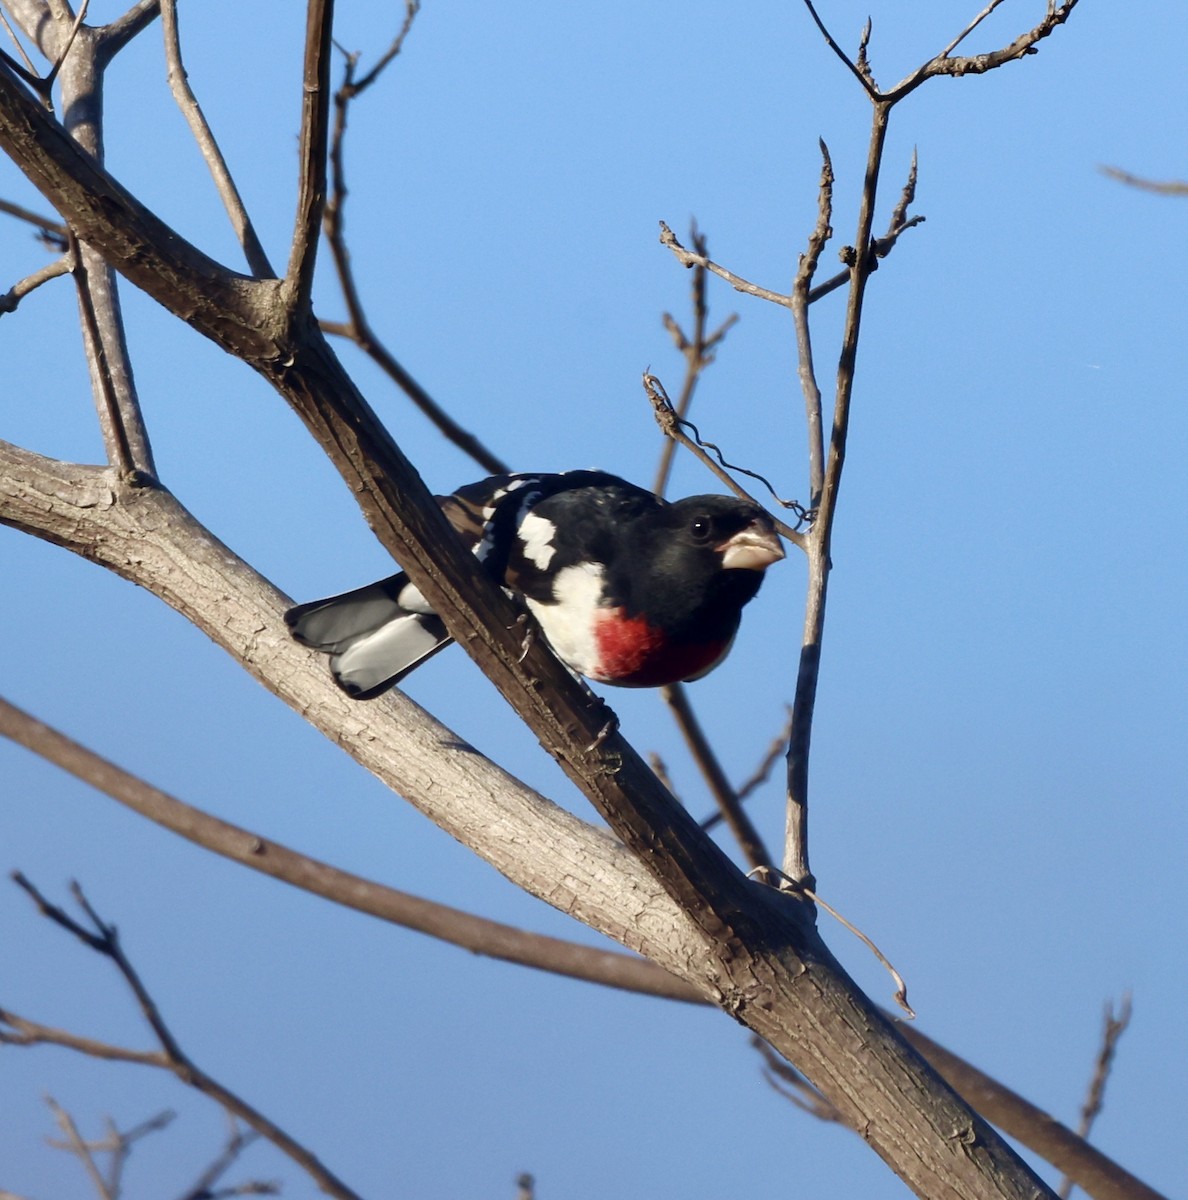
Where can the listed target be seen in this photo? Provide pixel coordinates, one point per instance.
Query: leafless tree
(700, 930)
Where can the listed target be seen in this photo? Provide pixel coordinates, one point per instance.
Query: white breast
(569, 623)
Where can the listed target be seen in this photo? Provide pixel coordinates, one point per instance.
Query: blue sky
(999, 756)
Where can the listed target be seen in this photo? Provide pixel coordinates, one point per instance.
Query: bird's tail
(374, 635)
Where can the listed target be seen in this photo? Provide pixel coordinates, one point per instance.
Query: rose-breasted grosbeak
(629, 589)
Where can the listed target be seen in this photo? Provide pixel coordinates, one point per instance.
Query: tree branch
(357, 328)
(473, 933)
(104, 940)
(183, 94)
(315, 121)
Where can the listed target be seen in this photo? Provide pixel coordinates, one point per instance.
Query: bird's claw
(610, 727)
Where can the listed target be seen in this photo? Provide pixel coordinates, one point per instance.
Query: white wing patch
(536, 537)
(569, 621)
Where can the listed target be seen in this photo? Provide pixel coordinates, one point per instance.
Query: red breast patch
(632, 653)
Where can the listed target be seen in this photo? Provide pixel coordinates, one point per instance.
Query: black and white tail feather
(374, 635)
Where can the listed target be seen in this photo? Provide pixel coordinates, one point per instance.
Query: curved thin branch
(15, 294)
(358, 328)
(183, 94)
(476, 934)
(979, 64)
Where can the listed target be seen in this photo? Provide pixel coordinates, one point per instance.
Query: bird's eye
(701, 529)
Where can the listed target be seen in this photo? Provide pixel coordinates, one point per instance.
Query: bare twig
(357, 328)
(697, 350)
(48, 81)
(121, 453)
(979, 64)
(1113, 1027)
(122, 1143)
(690, 258)
(315, 121)
(1170, 187)
(796, 887)
(45, 224)
(729, 806)
(116, 1144)
(792, 1085)
(15, 294)
(660, 767)
(762, 772)
(27, 71)
(81, 1150)
(237, 1141)
(183, 94)
(862, 74)
(801, 285)
(103, 938)
(360, 85)
(674, 427)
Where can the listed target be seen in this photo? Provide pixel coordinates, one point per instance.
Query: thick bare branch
(146, 536)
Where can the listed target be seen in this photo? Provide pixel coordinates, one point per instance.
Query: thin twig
(761, 774)
(77, 1146)
(979, 64)
(818, 542)
(315, 123)
(785, 1079)
(660, 767)
(411, 9)
(674, 427)
(689, 258)
(1113, 1027)
(47, 225)
(183, 95)
(48, 81)
(124, 1141)
(697, 350)
(104, 939)
(357, 328)
(797, 888)
(29, 70)
(238, 1140)
(15, 294)
(739, 824)
(862, 75)
(121, 447)
(801, 286)
(1170, 187)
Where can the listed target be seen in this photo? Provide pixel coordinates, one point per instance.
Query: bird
(629, 589)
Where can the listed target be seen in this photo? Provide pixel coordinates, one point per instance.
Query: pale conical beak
(753, 549)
